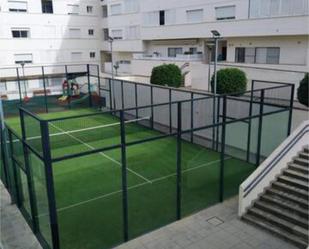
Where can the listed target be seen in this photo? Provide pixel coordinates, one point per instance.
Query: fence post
(222, 155)
(67, 78)
(151, 102)
(192, 118)
(45, 93)
(291, 109)
(50, 185)
(213, 122)
(258, 154)
(99, 88)
(19, 87)
(122, 95)
(89, 85)
(32, 199)
(5, 162)
(250, 122)
(179, 177)
(110, 94)
(218, 120)
(124, 177)
(170, 108)
(136, 100)
(16, 182)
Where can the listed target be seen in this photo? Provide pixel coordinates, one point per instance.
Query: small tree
(230, 80)
(166, 74)
(302, 91)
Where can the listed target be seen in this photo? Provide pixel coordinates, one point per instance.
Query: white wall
(49, 41)
(293, 49)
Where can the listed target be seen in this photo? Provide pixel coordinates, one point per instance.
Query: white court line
(87, 129)
(136, 186)
(101, 153)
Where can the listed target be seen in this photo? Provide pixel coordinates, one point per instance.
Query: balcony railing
(179, 57)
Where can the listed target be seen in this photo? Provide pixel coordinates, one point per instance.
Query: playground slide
(63, 98)
(80, 100)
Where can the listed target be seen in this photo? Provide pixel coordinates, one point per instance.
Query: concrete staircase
(283, 208)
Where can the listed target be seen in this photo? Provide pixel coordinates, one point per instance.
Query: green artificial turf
(88, 189)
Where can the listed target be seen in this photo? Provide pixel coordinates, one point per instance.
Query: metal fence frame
(221, 118)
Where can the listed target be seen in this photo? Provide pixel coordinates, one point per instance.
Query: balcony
(124, 46)
(276, 26)
(179, 57)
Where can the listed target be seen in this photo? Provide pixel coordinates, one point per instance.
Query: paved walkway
(15, 232)
(214, 228)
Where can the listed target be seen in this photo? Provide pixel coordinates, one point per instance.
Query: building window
(267, 55)
(76, 56)
(73, 9)
(172, 52)
(133, 32)
(193, 50)
(117, 34)
(271, 8)
(131, 6)
(257, 55)
(89, 9)
(195, 15)
(74, 33)
(225, 12)
(115, 9)
(3, 87)
(162, 17)
(91, 32)
(104, 11)
(47, 6)
(20, 33)
(23, 58)
(17, 6)
(105, 34)
(92, 54)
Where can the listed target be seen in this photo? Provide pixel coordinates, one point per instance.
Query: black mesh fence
(145, 156)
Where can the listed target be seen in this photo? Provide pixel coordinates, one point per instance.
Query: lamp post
(111, 40)
(25, 87)
(216, 37)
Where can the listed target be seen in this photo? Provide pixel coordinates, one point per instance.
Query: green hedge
(302, 91)
(230, 80)
(166, 74)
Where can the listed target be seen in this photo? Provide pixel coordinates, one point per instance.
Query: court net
(78, 132)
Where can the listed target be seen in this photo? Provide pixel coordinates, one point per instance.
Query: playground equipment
(70, 89)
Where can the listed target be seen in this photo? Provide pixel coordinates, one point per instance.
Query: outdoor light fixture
(216, 37)
(215, 33)
(111, 40)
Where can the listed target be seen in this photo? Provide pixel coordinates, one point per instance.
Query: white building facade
(266, 38)
(43, 32)
(256, 35)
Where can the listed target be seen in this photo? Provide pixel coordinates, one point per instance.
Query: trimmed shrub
(230, 80)
(166, 74)
(302, 91)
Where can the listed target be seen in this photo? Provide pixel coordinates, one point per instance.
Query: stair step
(290, 189)
(304, 155)
(282, 224)
(294, 182)
(306, 149)
(275, 230)
(300, 168)
(288, 205)
(282, 214)
(301, 161)
(290, 197)
(296, 175)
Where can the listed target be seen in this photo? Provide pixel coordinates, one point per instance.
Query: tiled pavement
(15, 232)
(215, 228)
